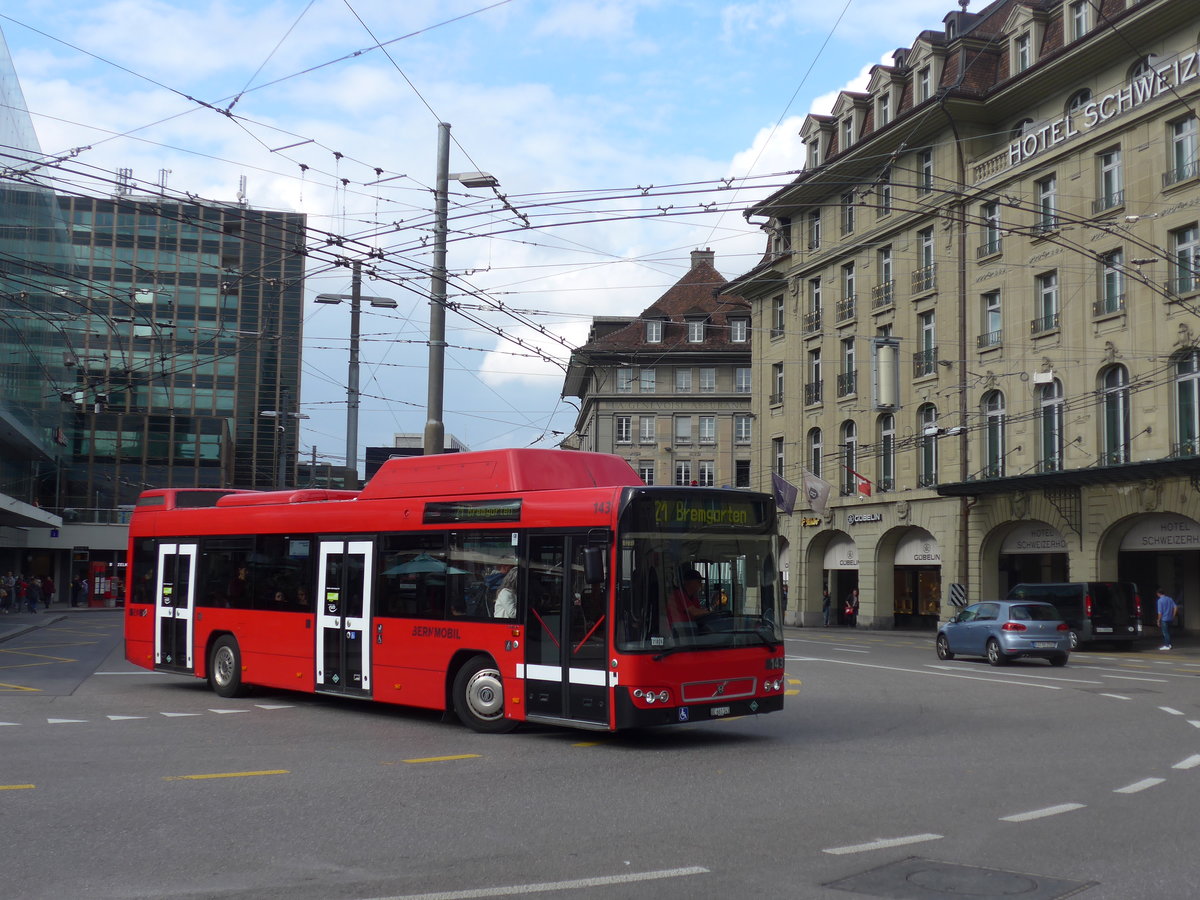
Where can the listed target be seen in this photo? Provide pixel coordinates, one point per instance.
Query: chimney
(702, 257)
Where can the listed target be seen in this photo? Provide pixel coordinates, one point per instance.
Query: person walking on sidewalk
(826, 606)
(47, 591)
(33, 594)
(1166, 615)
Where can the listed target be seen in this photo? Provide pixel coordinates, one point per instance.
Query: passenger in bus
(684, 604)
(239, 587)
(505, 606)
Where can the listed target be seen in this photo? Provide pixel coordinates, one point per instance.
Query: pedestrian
(83, 590)
(851, 609)
(20, 593)
(826, 606)
(5, 599)
(1166, 615)
(33, 593)
(47, 591)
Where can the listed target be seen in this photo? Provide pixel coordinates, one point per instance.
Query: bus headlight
(663, 696)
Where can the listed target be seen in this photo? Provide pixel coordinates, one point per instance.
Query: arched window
(1140, 68)
(815, 449)
(1019, 129)
(1187, 403)
(849, 442)
(927, 445)
(1114, 394)
(1050, 438)
(1078, 100)
(993, 434)
(886, 480)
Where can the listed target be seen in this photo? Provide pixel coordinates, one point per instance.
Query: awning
(841, 553)
(1129, 472)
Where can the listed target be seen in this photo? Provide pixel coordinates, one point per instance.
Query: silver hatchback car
(1003, 630)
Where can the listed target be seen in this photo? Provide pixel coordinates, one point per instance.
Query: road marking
(1042, 813)
(9, 723)
(18, 687)
(225, 775)
(225, 712)
(66, 721)
(1116, 696)
(140, 672)
(883, 844)
(517, 890)
(1195, 723)
(178, 715)
(845, 662)
(273, 706)
(123, 718)
(1135, 678)
(17, 787)
(1139, 785)
(850, 650)
(588, 744)
(426, 759)
(1028, 675)
(1168, 709)
(1190, 763)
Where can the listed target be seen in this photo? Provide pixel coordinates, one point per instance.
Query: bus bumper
(631, 716)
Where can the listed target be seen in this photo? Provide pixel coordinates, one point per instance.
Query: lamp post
(435, 427)
(355, 299)
(283, 415)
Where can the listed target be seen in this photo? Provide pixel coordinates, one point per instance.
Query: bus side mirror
(593, 565)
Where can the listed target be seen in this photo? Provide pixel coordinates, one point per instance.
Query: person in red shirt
(684, 603)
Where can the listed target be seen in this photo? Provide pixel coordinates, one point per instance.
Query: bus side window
(410, 578)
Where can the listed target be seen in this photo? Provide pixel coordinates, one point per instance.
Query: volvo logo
(720, 689)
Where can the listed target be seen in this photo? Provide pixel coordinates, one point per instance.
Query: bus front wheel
(225, 668)
(479, 697)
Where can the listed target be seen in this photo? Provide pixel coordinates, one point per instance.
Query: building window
(683, 472)
(624, 381)
(848, 212)
(776, 384)
(927, 446)
(1185, 259)
(1047, 203)
(739, 331)
(1078, 101)
(989, 215)
(782, 235)
(1187, 404)
(708, 380)
(1079, 14)
(848, 379)
(648, 379)
(741, 473)
(1021, 54)
(706, 472)
(1047, 303)
(1183, 149)
(741, 380)
(924, 84)
(647, 426)
(683, 430)
(1114, 393)
(993, 434)
(883, 109)
(777, 316)
(925, 359)
(654, 331)
(993, 323)
(695, 331)
(849, 442)
(1112, 284)
(742, 429)
(708, 429)
(884, 192)
(816, 451)
(683, 381)
(1050, 407)
(847, 283)
(1020, 129)
(812, 318)
(924, 171)
(924, 276)
(646, 470)
(884, 293)
(777, 454)
(624, 429)
(814, 229)
(847, 132)
(813, 386)
(1111, 189)
(887, 453)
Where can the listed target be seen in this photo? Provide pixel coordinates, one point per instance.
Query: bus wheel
(479, 697)
(225, 668)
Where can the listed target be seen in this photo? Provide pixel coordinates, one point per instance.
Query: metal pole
(352, 380)
(435, 429)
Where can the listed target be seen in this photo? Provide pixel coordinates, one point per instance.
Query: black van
(1095, 610)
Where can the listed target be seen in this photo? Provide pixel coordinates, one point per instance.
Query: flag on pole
(862, 482)
(816, 492)
(785, 492)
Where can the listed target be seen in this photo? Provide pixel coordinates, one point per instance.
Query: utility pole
(435, 428)
(352, 399)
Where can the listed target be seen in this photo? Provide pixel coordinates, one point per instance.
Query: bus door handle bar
(588, 635)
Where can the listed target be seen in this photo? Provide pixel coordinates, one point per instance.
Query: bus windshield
(697, 591)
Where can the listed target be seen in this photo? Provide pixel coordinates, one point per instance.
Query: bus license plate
(1043, 645)
(719, 711)
(1103, 631)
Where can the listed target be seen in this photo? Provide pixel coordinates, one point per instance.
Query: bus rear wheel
(479, 697)
(225, 668)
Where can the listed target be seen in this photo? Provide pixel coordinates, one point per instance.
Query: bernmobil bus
(514, 585)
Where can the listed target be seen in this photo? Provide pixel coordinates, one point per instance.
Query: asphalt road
(889, 774)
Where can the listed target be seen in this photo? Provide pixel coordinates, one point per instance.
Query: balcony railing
(924, 278)
(1186, 448)
(925, 362)
(883, 294)
(843, 310)
(1106, 306)
(1050, 464)
(1044, 324)
(883, 485)
(1109, 201)
(991, 248)
(776, 331)
(812, 322)
(847, 383)
(776, 398)
(926, 479)
(990, 339)
(1183, 282)
(813, 391)
(1117, 456)
(1179, 173)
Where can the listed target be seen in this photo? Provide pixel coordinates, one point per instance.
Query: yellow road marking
(444, 758)
(37, 656)
(225, 775)
(17, 687)
(17, 787)
(587, 744)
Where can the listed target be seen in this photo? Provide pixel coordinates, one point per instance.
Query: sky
(623, 133)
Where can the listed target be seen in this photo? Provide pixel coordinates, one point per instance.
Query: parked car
(1095, 610)
(1003, 630)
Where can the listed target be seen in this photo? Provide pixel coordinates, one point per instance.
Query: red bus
(544, 586)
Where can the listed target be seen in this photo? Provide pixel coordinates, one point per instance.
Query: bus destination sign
(689, 512)
(478, 511)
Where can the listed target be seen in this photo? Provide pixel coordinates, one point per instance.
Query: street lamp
(355, 299)
(435, 427)
(283, 414)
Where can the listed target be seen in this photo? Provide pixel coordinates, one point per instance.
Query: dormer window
(883, 108)
(924, 84)
(1021, 52)
(847, 132)
(950, 30)
(739, 331)
(654, 331)
(695, 331)
(814, 153)
(1079, 15)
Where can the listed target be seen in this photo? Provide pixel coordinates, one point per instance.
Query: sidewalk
(15, 624)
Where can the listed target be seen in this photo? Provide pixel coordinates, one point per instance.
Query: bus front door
(343, 618)
(173, 607)
(566, 632)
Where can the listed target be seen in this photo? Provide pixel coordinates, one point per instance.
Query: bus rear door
(173, 608)
(344, 617)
